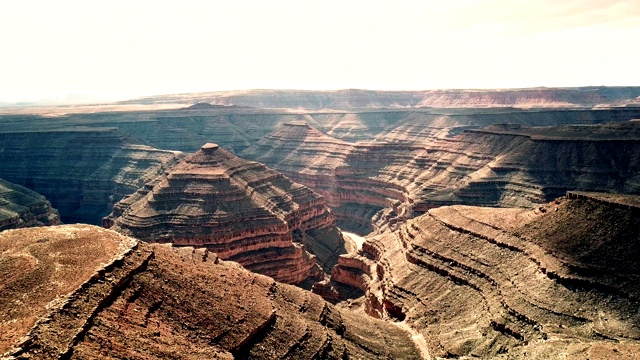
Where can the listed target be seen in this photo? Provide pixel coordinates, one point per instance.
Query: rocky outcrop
(21, 207)
(111, 296)
(629, 202)
(83, 172)
(481, 282)
(239, 209)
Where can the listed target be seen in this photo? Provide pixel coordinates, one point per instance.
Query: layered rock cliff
(236, 128)
(467, 281)
(83, 172)
(371, 185)
(21, 207)
(319, 161)
(482, 282)
(84, 292)
(239, 209)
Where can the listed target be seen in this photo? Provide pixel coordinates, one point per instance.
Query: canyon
(373, 185)
(496, 223)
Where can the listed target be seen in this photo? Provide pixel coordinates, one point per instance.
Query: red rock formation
(82, 292)
(372, 185)
(239, 209)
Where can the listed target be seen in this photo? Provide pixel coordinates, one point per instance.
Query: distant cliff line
(452, 98)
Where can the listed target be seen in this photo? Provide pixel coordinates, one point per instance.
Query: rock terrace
(481, 282)
(239, 209)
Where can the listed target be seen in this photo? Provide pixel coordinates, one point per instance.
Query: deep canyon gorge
(496, 224)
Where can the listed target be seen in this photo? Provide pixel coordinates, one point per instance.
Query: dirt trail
(417, 338)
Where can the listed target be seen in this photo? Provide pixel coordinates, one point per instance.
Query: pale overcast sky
(122, 49)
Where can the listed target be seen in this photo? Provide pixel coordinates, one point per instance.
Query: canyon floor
(426, 224)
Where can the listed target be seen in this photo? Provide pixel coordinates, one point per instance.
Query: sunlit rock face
(21, 207)
(239, 209)
(560, 278)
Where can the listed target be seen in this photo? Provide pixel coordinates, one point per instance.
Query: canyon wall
(383, 164)
(83, 172)
(236, 128)
(112, 296)
(481, 282)
(536, 97)
(21, 207)
(239, 209)
(372, 185)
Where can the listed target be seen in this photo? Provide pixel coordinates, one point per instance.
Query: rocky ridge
(21, 207)
(482, 282)
(239, 209)
(116, 297)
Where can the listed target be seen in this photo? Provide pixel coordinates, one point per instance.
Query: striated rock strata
(239, 209)
(373, 185)
(480, 282)
(83, 172)
(84, 292)
(21, 207)
(236, 128)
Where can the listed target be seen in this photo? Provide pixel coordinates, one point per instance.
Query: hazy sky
(130, 48)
